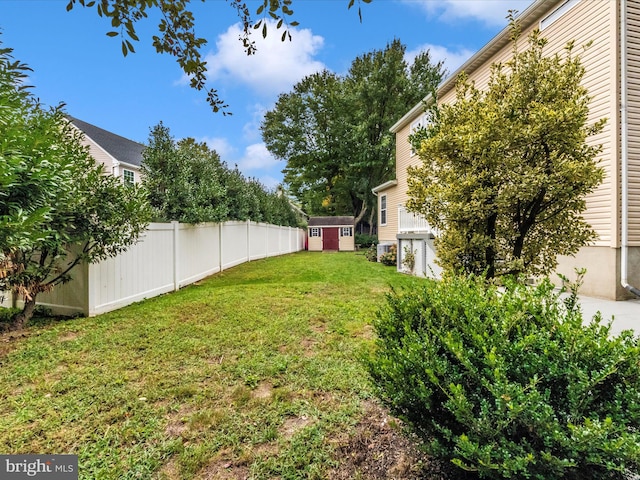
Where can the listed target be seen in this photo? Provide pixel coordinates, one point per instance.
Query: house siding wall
(633, 114)
(111, 165)
(589, 21)
(397, 195)
(387, 233)
(598, 23)
(99, 155)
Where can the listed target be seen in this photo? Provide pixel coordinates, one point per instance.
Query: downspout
(624, 151)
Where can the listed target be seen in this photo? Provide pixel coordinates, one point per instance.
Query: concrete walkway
(625, 314)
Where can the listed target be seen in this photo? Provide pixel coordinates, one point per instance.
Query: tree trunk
(361, 214)
(371, 215)
(21, 319)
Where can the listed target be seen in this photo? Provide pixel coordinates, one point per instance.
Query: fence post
(220, 227)
(176, 254)
(248, 240)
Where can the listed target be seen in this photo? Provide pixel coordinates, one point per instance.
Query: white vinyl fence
(167, 257)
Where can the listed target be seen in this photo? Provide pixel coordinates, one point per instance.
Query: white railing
(412, 222)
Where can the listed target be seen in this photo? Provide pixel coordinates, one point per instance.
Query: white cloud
(274, 68)
(256, 161)
(221, 146)
(251, 130)
(490, 12)
(452, 58)
(256, 157)
(268, 181)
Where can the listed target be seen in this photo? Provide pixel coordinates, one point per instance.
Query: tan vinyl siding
(315, 244)
(589, 21)
(346, 244)
(633, 113)
(397, 195)
(99, 155)
(387, 233)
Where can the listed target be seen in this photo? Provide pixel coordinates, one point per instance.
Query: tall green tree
(380, 88)
(187, 182)
(307, 129)
(57, 208)
(333, 131)
(505, 171)
(176, 30)
(183, 178)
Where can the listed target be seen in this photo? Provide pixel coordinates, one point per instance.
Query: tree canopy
(505, 171)
(333, 131)
(176, 30)
(57, 208)
(187, 182)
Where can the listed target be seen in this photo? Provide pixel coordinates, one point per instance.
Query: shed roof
(120, 148)
(331, 221)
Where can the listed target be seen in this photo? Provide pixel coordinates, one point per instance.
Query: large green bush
(508, 382)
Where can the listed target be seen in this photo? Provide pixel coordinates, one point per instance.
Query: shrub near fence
(169, 256)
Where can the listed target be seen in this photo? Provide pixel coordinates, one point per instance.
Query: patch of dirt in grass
(169, 470)
(223, 467)
(379, 450)
(366, 332)
(177, 423)
(68, 336)
(293, 425)
(8, 340)
(263, 391)
(318, 324)
(308, 346)
(221, 471)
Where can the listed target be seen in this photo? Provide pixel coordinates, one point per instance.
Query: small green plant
(6, 317)
(508, 383)
(372, 253)
(409, 258)
(391, 257)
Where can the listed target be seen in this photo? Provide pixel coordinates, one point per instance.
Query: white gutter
(384, 186)
(624, 152)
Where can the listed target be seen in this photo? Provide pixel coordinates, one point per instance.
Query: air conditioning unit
(383, 248)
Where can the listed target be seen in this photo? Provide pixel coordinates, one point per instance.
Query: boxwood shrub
(508, 382)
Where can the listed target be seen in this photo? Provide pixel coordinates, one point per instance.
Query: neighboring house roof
(120, 148)
(331, 221)
(532, 14)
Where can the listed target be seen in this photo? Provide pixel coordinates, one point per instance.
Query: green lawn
(253, 372)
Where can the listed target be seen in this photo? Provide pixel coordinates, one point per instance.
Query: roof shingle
(120, 148)
(331, 221)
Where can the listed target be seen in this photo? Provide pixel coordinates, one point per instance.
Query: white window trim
(314, 231)
(385, 210)
(346, 229)
(557, 13)
(124, 176)
(421, 122)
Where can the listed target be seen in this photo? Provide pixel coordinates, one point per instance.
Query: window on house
(347, 231)
(420, 123)
(383, 209)
(128, 177)
(557, 13)
(314, 232)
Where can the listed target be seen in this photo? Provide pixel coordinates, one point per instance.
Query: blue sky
(74, 62)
